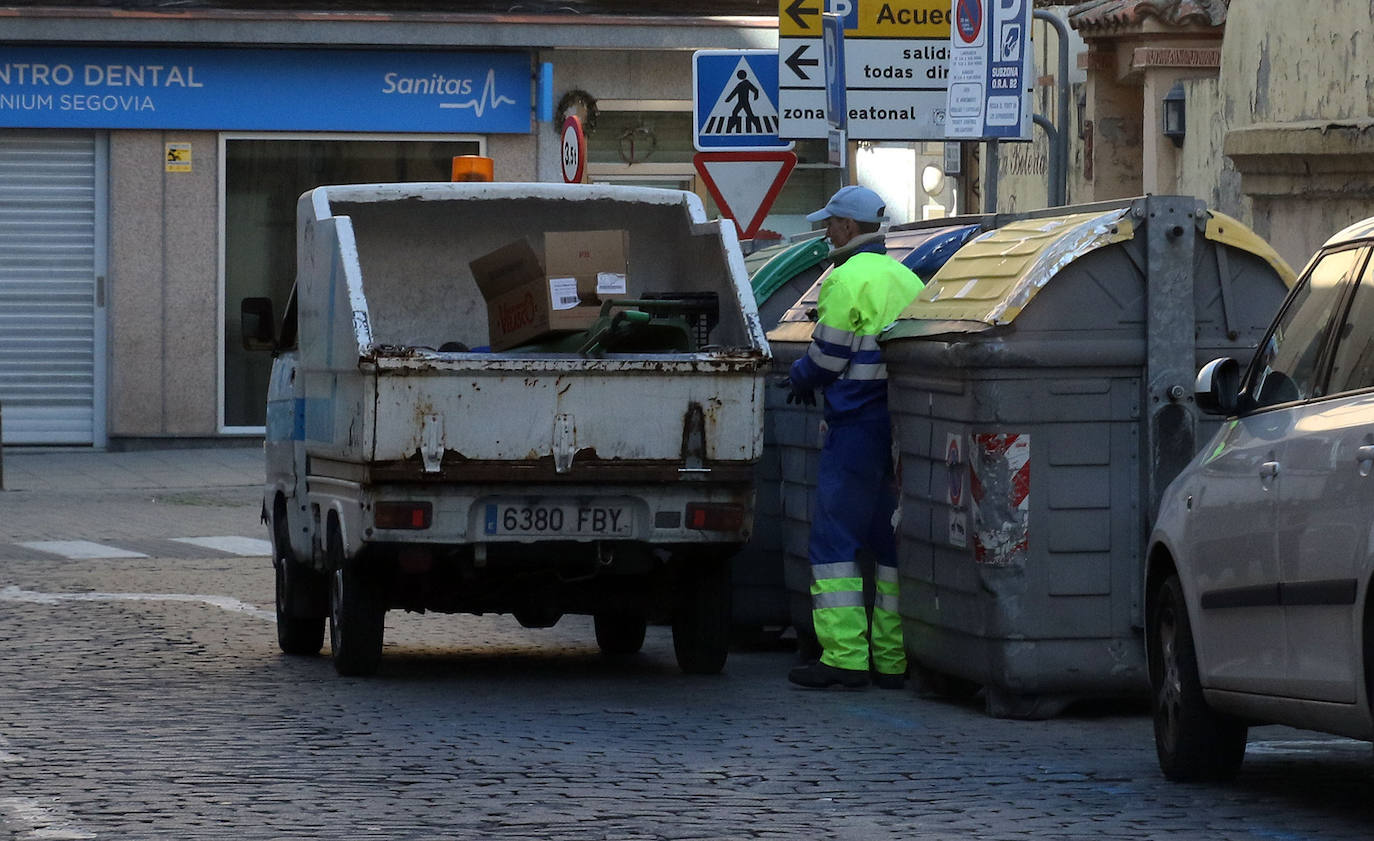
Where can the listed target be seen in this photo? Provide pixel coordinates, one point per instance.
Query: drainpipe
(1059, 142)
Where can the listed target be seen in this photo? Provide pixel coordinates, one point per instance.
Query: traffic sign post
(734, 101)
(744, 184)
(895, 67)
(990, 70)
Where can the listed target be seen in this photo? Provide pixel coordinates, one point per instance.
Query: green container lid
(784, 265)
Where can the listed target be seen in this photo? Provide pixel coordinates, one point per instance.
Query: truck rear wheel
(619, 633)
(701, 617)
(356, 617)
(299, 589)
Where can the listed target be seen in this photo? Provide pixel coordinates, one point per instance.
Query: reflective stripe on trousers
(855, 499)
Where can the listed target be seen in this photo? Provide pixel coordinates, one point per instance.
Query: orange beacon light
(473, 168)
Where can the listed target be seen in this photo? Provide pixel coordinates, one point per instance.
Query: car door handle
(1269, 469)
(1365, 453)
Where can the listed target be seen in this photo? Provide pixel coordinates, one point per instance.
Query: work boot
(883, 681)
(819, 676)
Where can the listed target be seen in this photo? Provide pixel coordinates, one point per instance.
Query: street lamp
(1175, 125)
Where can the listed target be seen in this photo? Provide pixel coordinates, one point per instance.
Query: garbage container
(1041, 391)
(793, 433)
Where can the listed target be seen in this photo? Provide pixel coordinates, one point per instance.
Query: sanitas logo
(435, 83)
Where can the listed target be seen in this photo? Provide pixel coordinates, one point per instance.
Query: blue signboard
(836, 87)
(735, 101)
(264, 89)
(990, 70)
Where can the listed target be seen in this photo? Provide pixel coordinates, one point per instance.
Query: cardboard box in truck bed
(527, 299)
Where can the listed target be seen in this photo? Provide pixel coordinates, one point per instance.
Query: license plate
(557, 519)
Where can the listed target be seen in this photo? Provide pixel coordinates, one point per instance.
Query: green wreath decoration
(580, 103)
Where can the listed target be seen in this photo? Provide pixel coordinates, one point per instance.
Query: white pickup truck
(606, 473)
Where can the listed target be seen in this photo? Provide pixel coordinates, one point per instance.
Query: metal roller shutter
(48, 268)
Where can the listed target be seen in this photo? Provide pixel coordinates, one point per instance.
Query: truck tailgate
(495, 418)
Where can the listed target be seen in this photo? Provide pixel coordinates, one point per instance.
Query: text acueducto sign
(262, 89)
(896, 59)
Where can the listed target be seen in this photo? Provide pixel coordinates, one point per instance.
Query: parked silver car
(1257, 579)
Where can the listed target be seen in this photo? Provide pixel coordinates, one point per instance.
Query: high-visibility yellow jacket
(863, 293)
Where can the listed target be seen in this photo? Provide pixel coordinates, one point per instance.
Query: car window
(1286, 366)
(1352, 365)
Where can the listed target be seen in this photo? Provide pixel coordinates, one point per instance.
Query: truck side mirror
(1217, 390)
(257, 325)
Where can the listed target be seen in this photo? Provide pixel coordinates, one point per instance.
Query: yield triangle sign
(744, 184)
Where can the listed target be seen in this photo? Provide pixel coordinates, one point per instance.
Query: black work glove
(797, 394)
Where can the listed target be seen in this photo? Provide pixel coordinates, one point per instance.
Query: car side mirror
(257, 325)
(1217, 390)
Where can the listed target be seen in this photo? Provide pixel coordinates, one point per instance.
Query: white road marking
(43, 820)
(1276, 746)
(246, 546)
(15, 594)
(79, 550)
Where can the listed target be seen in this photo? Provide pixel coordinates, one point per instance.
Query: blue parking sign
(735, 101)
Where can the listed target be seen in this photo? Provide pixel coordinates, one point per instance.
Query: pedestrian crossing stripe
(743, 106)
(86, 550)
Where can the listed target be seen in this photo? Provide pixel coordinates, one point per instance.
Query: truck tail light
(714, 516)
(403, 515)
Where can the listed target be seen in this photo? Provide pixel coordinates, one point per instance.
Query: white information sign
(990, 70)
(896, 58)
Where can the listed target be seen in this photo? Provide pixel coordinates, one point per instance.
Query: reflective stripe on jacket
(863, 294)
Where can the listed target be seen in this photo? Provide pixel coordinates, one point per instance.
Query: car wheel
(356, 616)
(701, 617)
(619, 633)
(1193, 741)
(297, 586)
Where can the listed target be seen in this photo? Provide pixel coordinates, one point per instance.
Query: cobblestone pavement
(144, 697)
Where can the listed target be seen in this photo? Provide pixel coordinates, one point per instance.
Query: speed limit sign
(574, 150)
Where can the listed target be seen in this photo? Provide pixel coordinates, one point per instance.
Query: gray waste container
(793, 433)
(1041, 391)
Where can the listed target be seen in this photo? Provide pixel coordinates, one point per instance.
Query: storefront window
(263, 179)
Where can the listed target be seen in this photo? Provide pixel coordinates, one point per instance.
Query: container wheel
(619, 633)
(300, 624)
(701, 617)
(356, 618)
(1192, 740)
(930, 683)
(1026, 707)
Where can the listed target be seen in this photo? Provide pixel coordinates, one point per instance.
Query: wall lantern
(1175, 125)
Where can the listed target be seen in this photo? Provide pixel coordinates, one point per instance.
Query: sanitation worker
(856, 494)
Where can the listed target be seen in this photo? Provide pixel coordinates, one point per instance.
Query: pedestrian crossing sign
(735, 96)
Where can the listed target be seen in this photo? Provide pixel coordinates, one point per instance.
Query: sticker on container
(610, 283)
(954, 461)
(563, 292)
(958, 529)
(999, 491)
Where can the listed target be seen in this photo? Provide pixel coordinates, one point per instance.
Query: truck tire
(300, 629)
(701, 617)
(356, 617)
(619, 633)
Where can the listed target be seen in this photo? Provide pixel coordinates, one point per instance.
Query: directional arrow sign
(804, 15)
(800, 58)
(744, 184)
